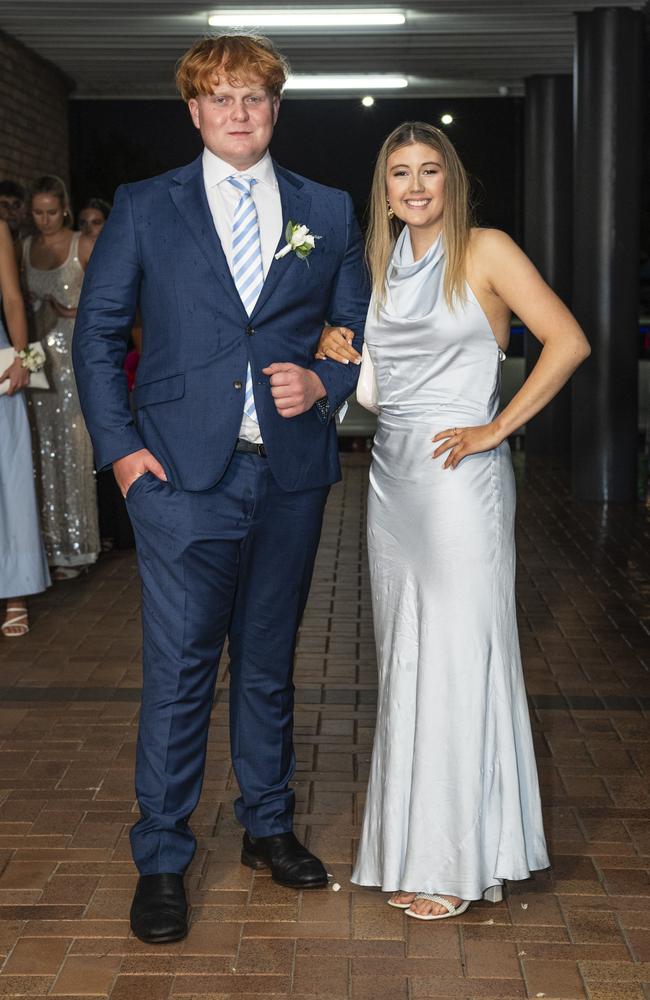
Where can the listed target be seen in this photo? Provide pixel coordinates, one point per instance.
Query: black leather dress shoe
(159, 909)
(291, 864)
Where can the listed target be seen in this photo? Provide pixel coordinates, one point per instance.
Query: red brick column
(33, 114)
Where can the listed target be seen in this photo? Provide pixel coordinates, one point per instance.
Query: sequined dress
(453, 801)
(63, 453)
(23, 566)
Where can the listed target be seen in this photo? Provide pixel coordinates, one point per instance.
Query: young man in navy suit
(227, 464)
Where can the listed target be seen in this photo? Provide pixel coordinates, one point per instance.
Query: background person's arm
(14, 310)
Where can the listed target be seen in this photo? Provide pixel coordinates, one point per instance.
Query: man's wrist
(319, 389)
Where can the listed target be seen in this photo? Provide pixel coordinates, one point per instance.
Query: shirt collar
(216, 170)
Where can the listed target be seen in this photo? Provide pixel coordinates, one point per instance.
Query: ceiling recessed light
(446, 119)
(367, 101)
(323, 18)
(331, 81)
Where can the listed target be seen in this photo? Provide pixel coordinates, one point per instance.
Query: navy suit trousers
(233, 561)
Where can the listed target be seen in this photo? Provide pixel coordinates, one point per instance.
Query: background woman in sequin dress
(53, 264)
(23, 566)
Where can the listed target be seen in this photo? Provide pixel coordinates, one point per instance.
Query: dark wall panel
(333, 141)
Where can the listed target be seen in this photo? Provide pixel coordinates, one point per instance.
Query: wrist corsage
(32, 358)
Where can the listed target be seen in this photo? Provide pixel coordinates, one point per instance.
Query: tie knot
(242, 183)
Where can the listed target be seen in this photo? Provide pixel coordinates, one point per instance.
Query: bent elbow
(583, 347)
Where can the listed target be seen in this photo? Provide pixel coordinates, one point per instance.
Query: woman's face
(47, 212)
(415, 185)
(91, 222)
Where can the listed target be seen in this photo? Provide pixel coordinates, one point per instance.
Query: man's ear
(276, 109)
(193, 106)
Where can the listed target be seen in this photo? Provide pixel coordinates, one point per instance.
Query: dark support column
(548, 225)
(608, 76)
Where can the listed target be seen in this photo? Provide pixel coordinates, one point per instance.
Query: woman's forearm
(555, 366)
(14, 310)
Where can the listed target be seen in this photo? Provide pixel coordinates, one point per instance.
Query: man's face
(12, 210)
(236, 123)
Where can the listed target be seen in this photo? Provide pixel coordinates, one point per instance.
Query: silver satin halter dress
(453, 801)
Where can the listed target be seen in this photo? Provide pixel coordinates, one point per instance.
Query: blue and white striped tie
(247, 270)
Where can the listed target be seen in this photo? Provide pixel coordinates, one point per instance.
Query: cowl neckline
(413, 287)
(402, 263)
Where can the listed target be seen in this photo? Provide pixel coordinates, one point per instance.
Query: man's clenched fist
(294, 389)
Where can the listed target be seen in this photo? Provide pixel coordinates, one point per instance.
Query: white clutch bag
(367, 394)
(37, 380)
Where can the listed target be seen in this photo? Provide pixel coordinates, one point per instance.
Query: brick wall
(33, 115)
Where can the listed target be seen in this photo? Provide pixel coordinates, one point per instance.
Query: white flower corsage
(299, 239)
(33, 358)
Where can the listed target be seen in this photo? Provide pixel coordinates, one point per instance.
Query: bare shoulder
(496, 258)
(486, 243)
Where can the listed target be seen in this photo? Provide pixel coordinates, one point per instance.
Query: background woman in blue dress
(23, 565)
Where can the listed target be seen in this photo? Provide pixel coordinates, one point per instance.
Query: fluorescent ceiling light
(329, 81)
(323, 18)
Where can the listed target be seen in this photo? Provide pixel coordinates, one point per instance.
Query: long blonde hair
(456, 220)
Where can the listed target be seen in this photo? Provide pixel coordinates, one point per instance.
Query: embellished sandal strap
(433, 897)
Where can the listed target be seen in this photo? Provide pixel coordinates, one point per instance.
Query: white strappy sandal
(19, 621)
(434, 897)
(401, 906)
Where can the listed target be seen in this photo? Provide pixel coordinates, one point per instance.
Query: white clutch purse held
(367, 395)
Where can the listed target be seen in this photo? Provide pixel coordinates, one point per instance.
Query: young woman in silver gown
(453, 807)
(53, 263)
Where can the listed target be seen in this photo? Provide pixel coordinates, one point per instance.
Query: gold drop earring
(391, 214)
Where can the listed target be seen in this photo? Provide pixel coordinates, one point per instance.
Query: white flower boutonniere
(299, 239)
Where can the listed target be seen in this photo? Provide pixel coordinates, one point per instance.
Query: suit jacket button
(249, 331)
(237, 384)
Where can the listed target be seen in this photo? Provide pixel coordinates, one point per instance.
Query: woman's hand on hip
(336, 343)
(463, 441)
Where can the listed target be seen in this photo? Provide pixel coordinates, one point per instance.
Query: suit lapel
(188, 194)
(295, 207)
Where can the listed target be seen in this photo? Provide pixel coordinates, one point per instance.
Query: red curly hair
(238, 58)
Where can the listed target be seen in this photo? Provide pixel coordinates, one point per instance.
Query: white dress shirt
(223, 199)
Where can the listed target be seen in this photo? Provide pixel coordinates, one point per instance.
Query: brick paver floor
(68, 729)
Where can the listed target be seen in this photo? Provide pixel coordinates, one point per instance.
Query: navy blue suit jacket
(159, 250)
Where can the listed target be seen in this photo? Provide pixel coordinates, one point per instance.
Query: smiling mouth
(417, 202)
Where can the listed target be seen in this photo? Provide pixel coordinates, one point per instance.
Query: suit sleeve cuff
(323, 409)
